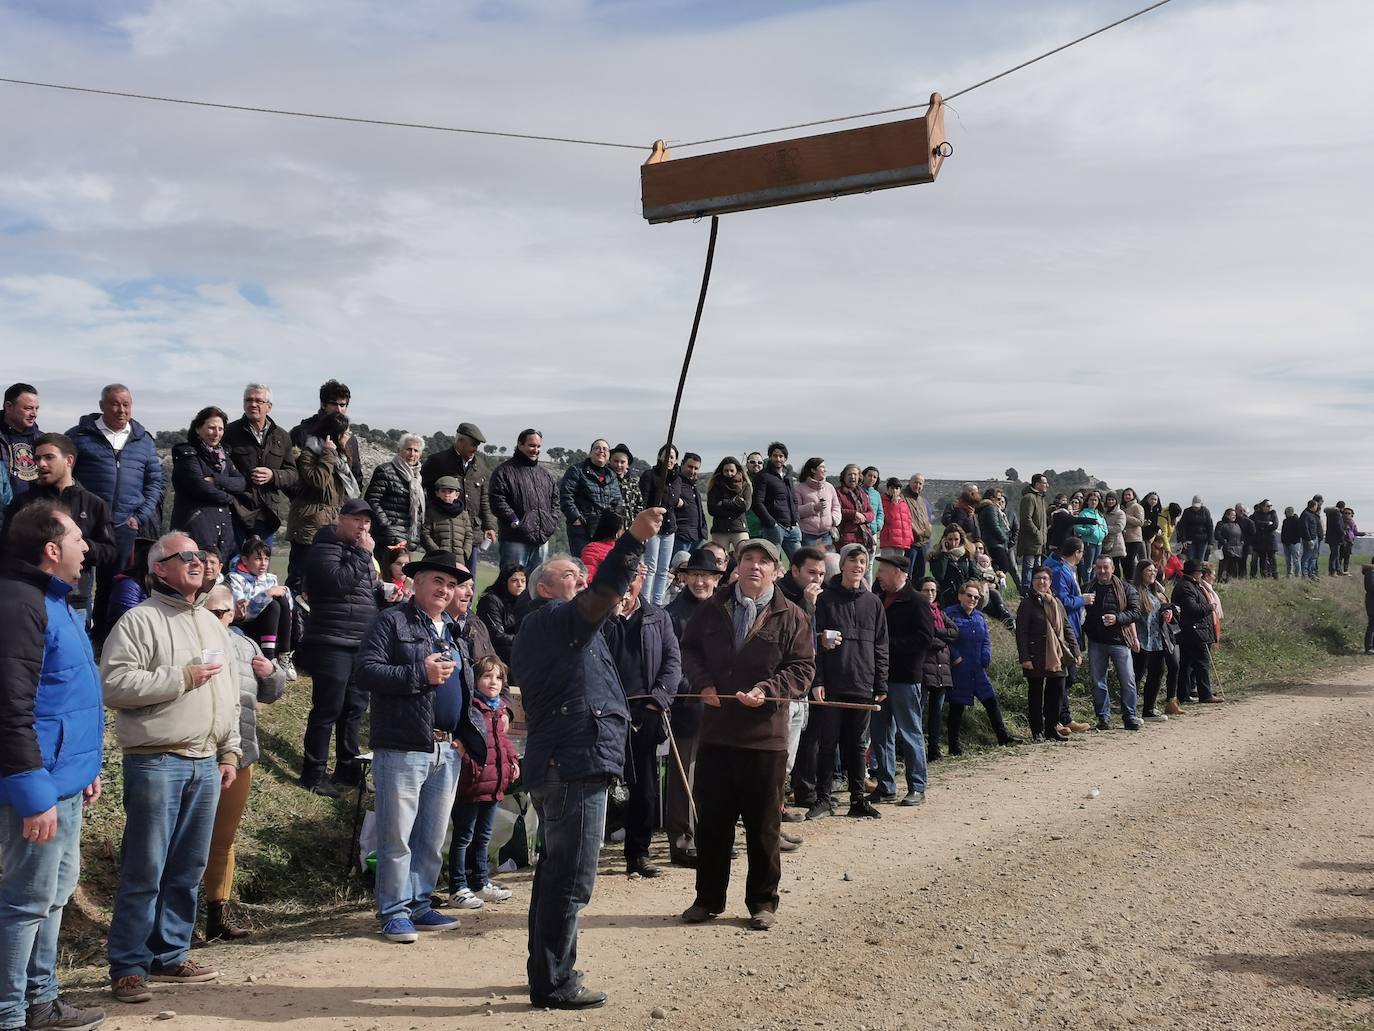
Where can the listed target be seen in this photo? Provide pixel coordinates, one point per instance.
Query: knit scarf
(214, 456)
(410, 475)
(747, 612)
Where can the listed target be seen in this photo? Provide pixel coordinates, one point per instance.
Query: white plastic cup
(211, 657)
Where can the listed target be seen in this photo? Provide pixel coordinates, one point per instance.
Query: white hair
(220, 595)
(258, 388)
(114, 388)
(163, 547)
(406, 438)
(540, 573)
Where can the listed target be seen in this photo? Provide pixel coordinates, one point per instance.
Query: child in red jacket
(480, 788)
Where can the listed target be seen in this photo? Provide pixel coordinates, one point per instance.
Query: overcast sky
(1148, 256)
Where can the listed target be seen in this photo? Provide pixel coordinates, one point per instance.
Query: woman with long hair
(661, 486)
(1158, 655)
(497, 608)
(856, 513)
(936, 677)
(1091, 528)
(1114, 543)
(1134, 534)
(728, 497)
(818, 506)
(952, 565)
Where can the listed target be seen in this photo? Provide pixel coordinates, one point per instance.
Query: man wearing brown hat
(750, 652)
(412, 664)
(463, 462)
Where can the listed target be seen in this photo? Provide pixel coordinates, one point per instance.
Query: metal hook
(944, 150)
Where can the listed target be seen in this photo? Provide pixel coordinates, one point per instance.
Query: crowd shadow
(1315, 864)
(1314, 690)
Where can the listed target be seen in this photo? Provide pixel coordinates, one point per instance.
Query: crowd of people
(771, 629)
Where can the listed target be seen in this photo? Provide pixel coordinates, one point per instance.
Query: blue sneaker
(432, 920)
(399, 929)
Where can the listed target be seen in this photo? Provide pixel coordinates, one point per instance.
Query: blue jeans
(414, 798)
(1028, 563)
(1195, 550)
(1085, 567)
(1120, 656)
(37, 882)
(572, 814)
(918, 565)
(1310, 551)
(900, 719)
(169, 808)
(1292, 560)
(527, 556)
(467, 856)
(826, 541)
(658, 556)
(788, 538)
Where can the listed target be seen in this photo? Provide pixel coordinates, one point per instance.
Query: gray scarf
(747, 613)
(410, 475)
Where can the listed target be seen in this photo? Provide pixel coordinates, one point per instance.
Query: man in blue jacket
(116, 459)
(578, 727)
(52, 725)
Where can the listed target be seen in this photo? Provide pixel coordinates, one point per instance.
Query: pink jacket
(807, 494)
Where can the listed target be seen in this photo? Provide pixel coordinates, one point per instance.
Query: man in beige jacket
(166, 674)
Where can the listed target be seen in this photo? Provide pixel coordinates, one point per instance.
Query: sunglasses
(220, 613)
(188, 556)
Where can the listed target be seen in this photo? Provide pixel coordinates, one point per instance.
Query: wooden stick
(681, 770)
(731, 698)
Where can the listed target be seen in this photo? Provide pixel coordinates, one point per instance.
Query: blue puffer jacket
(1064, 582)
(130, 481)
(973, 650)
(52, 717)
(573, 698)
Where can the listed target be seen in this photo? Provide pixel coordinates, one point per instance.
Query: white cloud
(1146, 256)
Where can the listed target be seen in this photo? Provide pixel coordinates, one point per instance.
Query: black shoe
(1103, 725)
(956, 750)
(820, 811)
(863, 810)
(934, 754)
(683, 857)
(585, 999)
(643, 868)
(914, 798)
(878, 798)
(323, 788)
(1010, 740)
(1132, 724)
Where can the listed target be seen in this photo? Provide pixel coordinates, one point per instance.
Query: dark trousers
(744, 784)
(807, 765)
(295, 566)
(572, 818)
(271, 627)
(1003, 562)
(1230, 566)
(935, 713)
(956, 721)
(1043, 695)
(1369, 628)
(1194, 668)
(997, 609)
(918, 565)
(847, 728)
(641, 780)
(124, 536)
(1264, 563)
(1150, 669)
(1135, 554)
(467, 853)
(578, 536)
(337, 705)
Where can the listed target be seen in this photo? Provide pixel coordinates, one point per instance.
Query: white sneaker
(494, 893)
(465, 899)
(288, 667)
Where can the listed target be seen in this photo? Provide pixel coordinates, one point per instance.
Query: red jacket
(897, 531)
(592, 555)
(491, 781)
(856, 515)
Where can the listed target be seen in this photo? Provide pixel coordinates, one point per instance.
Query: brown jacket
(779, 655)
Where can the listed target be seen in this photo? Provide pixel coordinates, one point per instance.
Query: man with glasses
(334, 398)
(262, 452)
(177, 701)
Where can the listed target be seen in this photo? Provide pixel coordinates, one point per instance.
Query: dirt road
(1223, 878)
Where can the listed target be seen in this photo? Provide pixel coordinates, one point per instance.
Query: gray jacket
(252, 691)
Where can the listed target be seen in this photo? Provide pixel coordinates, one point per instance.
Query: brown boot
(1078, 728)
(218, 925)
(1172, 708)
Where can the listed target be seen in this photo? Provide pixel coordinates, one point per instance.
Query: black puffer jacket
(1266, 526)
(666, 499)
(339, 582)
(727, 502)
(774, 502)
(525, 499)
(937, 675)
(1194, 525)
(496, 610)
(388, 492)
(857, 669)
(691, 517)
(391, 666)
(206, 504)
(910, 633)
(586, 491)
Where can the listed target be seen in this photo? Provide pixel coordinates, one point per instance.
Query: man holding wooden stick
(749, 652)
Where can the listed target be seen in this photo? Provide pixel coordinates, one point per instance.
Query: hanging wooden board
(833, 164)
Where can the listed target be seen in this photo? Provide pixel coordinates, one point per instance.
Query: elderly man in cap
(412, 664)
(340, 581)
(750, 652)
(700, 578)
(463, 462)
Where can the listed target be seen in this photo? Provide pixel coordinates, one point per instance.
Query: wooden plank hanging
(834, 164)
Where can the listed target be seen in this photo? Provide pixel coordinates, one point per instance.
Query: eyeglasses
(255, 401)
(188, 557)
(220, 613)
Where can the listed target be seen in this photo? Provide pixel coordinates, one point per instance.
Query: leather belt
(442, 735)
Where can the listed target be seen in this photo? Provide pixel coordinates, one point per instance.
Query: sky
(1148, 255)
